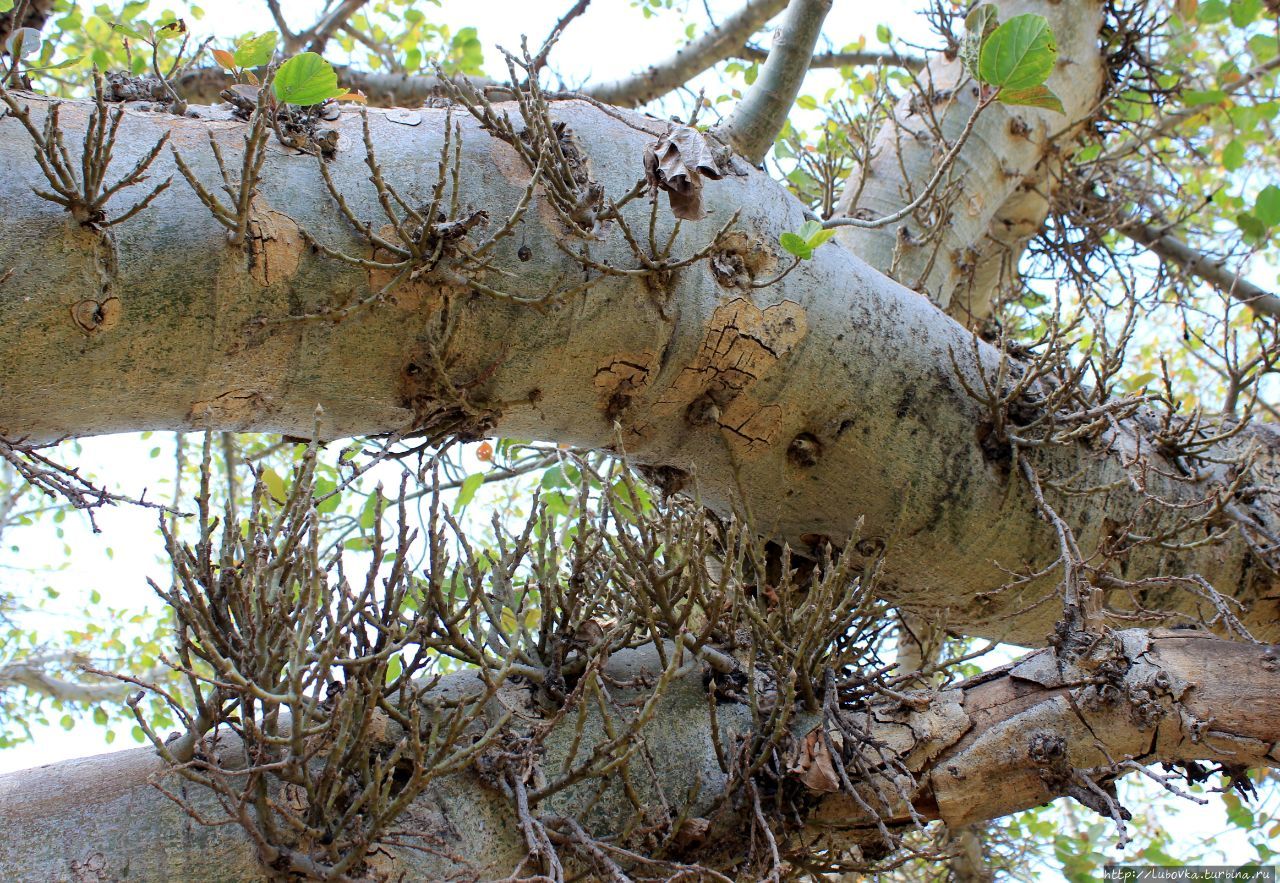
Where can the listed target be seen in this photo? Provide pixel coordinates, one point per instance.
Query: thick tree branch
(316, 38)
(203, 85)
(861, 58)
(690, 60)
(1214, 271)
(1044, 727)
(952, 247)
(758, 118)
(33, 674)
(832, 372)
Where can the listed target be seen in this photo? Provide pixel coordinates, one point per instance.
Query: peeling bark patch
(618, 382)
(91, 315)
(742, 344)
(237, 407)
(739, 261)
(423, 292)
(751, 427)
(275, 245)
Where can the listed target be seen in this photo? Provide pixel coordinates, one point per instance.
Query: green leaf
(1243, 12)
(274, 483)
(68, 722)
(1212, 11)
(100, 716)
(306, 79)
(1262, 47)
(1196, 97)
(324, 487)
(1019, 55)
(1233, 156)
(883, 34)
(256, 50)
(6, 5)
(809, 229)
(1267, 207)
(819, 238)
(127, 32)
(1255, 232)
(370, 511)
(1136, 383)
(553, 478)
(171, 30)
(795, 245)
(467, 492)
(1037, 96)
(394, 666)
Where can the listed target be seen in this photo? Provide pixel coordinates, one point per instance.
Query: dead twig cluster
(309, 717)
(236, 214)
(81, 186)
(58, 481)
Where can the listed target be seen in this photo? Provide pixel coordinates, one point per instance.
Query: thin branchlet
(235, 212)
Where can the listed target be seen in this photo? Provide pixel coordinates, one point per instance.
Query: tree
(933, 377)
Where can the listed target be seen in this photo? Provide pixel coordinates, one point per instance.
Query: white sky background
(610, 40)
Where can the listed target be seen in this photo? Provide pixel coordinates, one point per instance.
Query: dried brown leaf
(812, 763)
(676, 163)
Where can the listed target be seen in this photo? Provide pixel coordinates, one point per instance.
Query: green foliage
(467, 492)
(1016, 58)
(1267, 207)
(806, 240)
(256, 50)
(306, 79)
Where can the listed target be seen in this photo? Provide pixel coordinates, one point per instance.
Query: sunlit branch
(1213, 271)
(760, 116)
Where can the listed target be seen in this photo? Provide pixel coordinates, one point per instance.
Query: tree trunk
(829, 394)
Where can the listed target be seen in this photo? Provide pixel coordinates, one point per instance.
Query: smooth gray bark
(705, 375)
